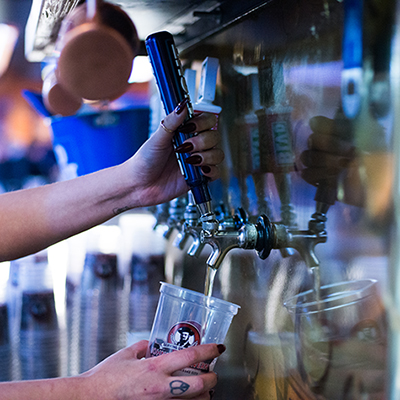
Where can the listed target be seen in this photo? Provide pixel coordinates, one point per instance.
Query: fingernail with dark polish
(211, 392)
(190, 127)
(221, 348)
(193, 159)
(186, 147)
(206, 169)
(181, 106)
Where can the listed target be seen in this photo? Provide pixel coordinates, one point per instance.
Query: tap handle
(326, 193)
(171, 83)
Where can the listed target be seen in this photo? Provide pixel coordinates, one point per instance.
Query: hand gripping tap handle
(171, 83)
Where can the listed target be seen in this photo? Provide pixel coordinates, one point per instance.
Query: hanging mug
(96, 51)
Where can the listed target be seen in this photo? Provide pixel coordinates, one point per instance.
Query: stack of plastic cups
(39, 334)
(143, 257)
(76, 260)
(5, 345)
(101, 293)
(14, 316)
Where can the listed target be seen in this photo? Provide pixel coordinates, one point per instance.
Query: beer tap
(176, 216)
(223, 223)
(266, 147)
(274, 120)
(194, 227)
(191, 227)
(169, 76)
(265, 236)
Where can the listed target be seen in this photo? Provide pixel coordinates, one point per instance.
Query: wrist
(125, 194)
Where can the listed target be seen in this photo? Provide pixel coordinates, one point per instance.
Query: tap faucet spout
(304, 242)
(222, 241)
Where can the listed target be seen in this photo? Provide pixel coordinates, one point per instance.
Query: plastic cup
(341, 340)
(185, 318)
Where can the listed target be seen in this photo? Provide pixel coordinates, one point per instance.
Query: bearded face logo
(184, 334)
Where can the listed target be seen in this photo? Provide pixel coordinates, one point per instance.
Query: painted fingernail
(193, 159)
(206, 169)
(221, 348)
(190, 127)
(186, 147)
(211, 392)
(181, 106)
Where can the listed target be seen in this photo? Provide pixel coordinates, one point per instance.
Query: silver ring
(165, 128)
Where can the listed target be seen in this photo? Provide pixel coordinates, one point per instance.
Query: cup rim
(304, 302)
(199, 298)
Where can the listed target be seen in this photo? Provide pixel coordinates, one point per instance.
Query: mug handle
(91, 8)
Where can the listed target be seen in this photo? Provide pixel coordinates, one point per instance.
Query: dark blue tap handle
(352, 51)
(171, 83)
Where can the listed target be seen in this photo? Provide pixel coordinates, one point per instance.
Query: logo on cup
(184, 334)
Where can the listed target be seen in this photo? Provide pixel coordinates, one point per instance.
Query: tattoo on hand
(178, 387)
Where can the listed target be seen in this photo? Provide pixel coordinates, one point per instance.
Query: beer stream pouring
(171, 83)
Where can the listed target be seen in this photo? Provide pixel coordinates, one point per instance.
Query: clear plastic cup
(341, 340)
(185, 318)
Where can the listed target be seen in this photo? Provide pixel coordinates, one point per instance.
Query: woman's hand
(126, 375)
(156, 177)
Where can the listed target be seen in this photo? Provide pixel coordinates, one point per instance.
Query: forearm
(71, 388)
(33, 219)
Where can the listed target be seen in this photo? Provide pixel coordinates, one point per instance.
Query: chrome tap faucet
(222, 241)
(304, 241)
(176, 215)
(190, 228)
(264, 236)
(234, 232)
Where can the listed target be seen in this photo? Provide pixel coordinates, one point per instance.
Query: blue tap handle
(353, 34)
(352, 53)
(171, 83)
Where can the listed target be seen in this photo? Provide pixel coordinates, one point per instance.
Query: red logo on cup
(184, 334)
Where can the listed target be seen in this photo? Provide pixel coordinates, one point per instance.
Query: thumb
(137, 350)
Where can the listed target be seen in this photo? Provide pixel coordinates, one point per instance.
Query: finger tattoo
(178, 387)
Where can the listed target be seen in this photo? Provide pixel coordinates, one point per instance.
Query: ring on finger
(165, 128)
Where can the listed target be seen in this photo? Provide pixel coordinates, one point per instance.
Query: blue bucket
(100, 140)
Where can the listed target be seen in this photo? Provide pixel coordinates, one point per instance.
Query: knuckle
(152, 365)
(192, 353)
(221, 155)
(198, 384)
